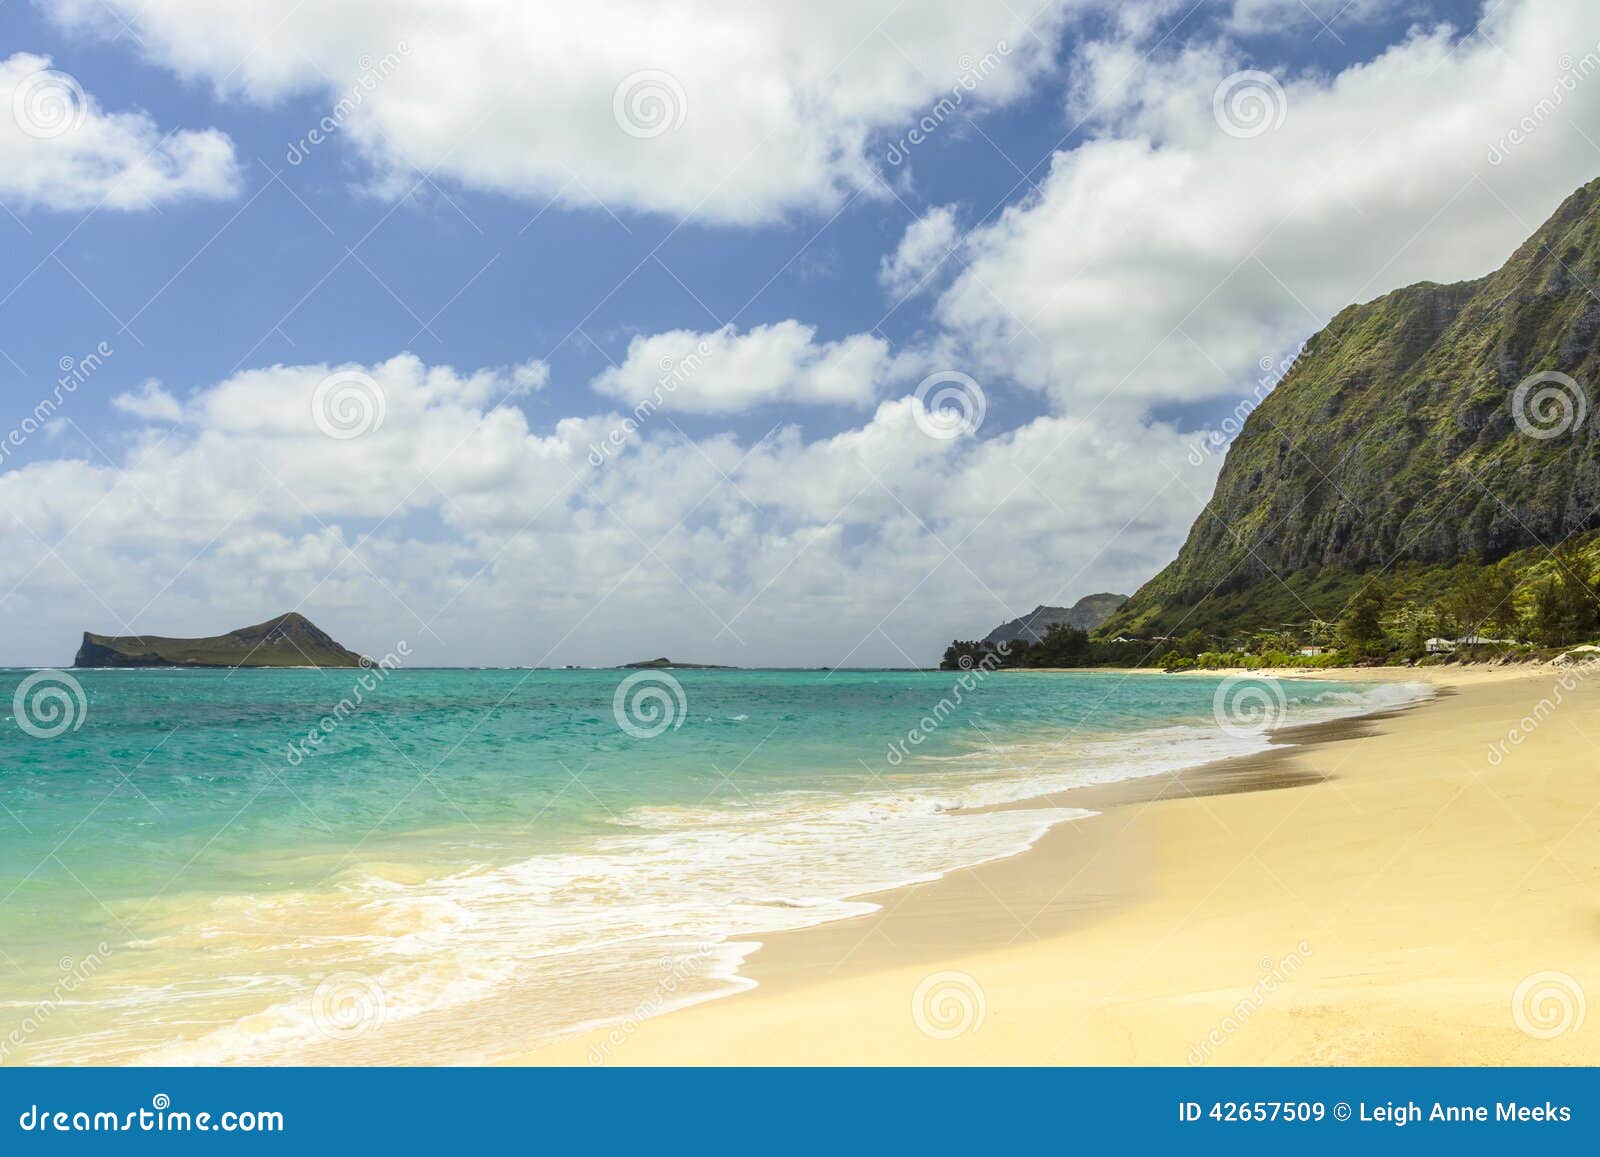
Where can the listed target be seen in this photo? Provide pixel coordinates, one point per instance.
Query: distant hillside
(665, 663)
(1397, 443)
(1087, 613)
(290, 640)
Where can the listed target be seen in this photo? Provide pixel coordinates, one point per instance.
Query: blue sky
(385, 241)
(494, 279)
(495, 288)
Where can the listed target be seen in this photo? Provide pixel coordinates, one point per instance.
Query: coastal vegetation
(1532, 604)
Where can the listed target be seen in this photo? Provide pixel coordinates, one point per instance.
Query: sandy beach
(1413, 888)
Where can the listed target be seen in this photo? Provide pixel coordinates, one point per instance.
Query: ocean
(448, 866)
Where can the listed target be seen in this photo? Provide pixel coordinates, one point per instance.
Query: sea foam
(663, 912)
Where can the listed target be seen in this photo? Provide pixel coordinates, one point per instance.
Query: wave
(664, 910)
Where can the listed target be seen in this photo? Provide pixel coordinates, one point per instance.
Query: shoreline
(1058, 925)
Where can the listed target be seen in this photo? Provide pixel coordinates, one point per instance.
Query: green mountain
(1399, 443)
(290, 640)
(1088, 613)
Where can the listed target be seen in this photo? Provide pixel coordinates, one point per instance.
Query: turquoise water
(467, 862)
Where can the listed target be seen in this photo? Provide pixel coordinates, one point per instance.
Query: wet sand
(1369, 891)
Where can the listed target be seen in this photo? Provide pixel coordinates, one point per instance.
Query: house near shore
(1437, 646)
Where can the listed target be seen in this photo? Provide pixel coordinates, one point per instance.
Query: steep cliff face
(1400, 436)
(290, 640)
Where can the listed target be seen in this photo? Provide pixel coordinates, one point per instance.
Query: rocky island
(290, 640)
(665, 663)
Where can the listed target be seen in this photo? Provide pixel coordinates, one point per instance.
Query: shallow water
(467, 862)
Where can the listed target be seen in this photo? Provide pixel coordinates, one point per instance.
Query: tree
(1414, 624)
(1175, 660)
(1062, 646)
(1479, 598)
(963, 655)
(1361, 625)
(1566, 607)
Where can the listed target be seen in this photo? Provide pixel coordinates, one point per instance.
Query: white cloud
(455, 525)
(530, 376)
(1317, 16)
(1160, 259)
(60, 150)
(150, 402)
(927, 242)
(740, 111)
(724, 371)
(1163, 258)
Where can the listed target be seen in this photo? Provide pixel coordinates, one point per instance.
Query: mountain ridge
(1088, 613)
(1399, 436)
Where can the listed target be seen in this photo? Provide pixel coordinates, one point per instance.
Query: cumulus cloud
(721, 109)
(60, 150)
(151, 402)
(923, 248)
(1158, 262)
(724, 371)
(429, 509)
(1164, 257)
(1256, 16)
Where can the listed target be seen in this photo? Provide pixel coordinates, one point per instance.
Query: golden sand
(1387, 892)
